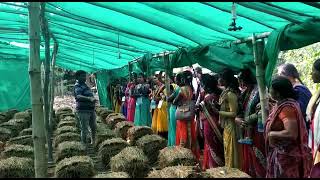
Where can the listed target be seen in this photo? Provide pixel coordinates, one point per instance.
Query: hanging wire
(233, 11)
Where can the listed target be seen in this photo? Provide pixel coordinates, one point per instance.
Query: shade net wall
(104, 36)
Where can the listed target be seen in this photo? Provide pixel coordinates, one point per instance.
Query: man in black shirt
(85, 107)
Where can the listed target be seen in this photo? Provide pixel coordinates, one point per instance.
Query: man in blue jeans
(85, 107)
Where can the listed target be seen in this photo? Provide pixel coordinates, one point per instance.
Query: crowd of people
(219, 116)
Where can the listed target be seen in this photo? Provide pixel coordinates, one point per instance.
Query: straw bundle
(104, 113)
(67, 116)
(11, 113)
(69, 136)
(54, 123)
(75, 167)
(121, 128)
(23, 140)
(3, 118)
(65, 129)
(17, 150)
(224, 172)
(136, 132)
(13, 126)
(173, 156)
(110, 148)
(131, 160)
(60, 111)
(98, 119)
(22, 115)
(63, 110)
(5, 134)
(98, 110)
(29, 111)
(114, 118)
(27, 131)
(23, 123)
(101, 127)
(113, 175)
(2, 145)
(102, 136)
(66, 123)
(176, 172)
(16, 167)
(151, 146)
(68, 149)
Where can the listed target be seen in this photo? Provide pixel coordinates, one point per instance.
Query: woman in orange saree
(186, 135)
(286, 137)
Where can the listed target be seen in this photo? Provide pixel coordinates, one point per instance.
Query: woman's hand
(272, 138)
(239, 121)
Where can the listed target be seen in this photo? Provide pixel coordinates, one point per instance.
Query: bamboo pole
(52, 82)
(167, 83)
(38, 128)
(258, 47)
(249, 39)
(129, 69)
(46, 37)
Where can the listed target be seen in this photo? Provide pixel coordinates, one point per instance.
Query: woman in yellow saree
(160, 116)
(228, 110)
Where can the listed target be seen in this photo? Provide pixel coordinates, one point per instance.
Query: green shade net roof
(105, 36)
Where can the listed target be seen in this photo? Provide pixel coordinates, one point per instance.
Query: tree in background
(303, 59)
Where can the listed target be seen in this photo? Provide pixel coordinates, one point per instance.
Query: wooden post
(258, 47)
(61, 86)
(46, 37)
(38, 128)
(167, 81)
(52, 82)
(129, 69)
(248, 39)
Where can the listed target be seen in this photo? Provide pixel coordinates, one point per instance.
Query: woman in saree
(253, 152)
(186, 135)
(172, 111)
(228, 102)
(160, 115)
(286, 138)
(213, 155)
(131, 99)
(142, 115)
(116, 98)
(124, 100)
(313, 114)
(303, 93)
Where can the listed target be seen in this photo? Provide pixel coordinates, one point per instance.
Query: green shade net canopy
(103, 37)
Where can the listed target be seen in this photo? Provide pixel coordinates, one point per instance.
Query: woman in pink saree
(131, 100)
(286, 138)
(213, 155)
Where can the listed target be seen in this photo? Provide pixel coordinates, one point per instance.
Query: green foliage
(303, 59)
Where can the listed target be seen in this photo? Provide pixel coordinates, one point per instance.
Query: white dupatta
(316, 121)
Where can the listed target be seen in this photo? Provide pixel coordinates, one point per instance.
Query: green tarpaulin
(105, 36)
